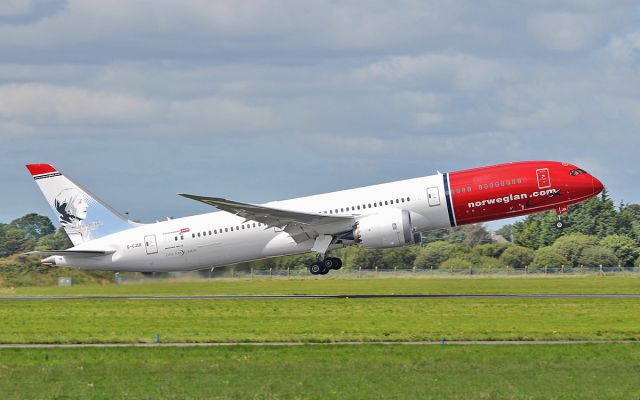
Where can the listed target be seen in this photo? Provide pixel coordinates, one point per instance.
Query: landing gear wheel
(316, 268)
(559, 224)
(332, 263)
(324, 271)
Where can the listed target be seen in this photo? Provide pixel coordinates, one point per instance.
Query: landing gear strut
(324, 266)
(559, 212)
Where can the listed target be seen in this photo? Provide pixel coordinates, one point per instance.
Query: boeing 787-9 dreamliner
(381, 216)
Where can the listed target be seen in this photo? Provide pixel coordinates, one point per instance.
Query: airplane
(387, 215)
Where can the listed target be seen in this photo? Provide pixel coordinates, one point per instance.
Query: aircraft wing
(72, 252)
(300, 225)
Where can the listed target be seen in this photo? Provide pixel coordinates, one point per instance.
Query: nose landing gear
(559, 211)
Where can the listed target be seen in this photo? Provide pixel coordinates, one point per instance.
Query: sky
(266, 100)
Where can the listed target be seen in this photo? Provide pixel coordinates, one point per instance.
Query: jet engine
(391, 228)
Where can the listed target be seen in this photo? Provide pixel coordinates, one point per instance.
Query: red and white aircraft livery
(380, 216)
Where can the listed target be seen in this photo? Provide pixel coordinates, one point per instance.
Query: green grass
(324, 372)
(312, 320)
(327, 285)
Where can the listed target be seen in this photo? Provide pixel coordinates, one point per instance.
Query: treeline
(36, 232)
(596, 232)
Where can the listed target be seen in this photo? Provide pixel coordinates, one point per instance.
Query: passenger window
(397, 201)
(468, 188)
(209, 233)
(491, 185)
(408, 199)
(463, 190)
(386, 202)
(519, 181)
(508, 182)
(501, 183)
(486, 186)
(176, 238)
(181, 237)
(198, 234)
(358, 207)
(402, 199)
(479, 187)
(193, 235)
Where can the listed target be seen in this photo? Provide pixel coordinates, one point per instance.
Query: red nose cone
(597, 185)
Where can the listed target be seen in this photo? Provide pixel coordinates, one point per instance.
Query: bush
(433, 254)
(494, 250)
(517, 256)
(548, 257)
(623, 247)
(597, 255)
(484, 262)
(456, 263)
(572, 246)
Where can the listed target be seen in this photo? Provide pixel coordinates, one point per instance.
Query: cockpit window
(576, 172)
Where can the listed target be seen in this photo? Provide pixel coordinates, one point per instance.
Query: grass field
(576, 371)
(325, 372)
(314, 320)
(327, 285)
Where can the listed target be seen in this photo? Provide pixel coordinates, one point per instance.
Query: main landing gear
(322, 267)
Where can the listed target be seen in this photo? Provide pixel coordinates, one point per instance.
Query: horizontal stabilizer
(72, 253)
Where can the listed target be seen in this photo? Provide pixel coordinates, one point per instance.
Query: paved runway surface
(331, 296)
(224, 344)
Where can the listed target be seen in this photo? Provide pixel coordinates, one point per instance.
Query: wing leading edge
(300, 225)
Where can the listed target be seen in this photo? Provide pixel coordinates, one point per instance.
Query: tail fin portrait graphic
(83, 216)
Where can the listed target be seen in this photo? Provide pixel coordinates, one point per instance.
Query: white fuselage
(220, 238)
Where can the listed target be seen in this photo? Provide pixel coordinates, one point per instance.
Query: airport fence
(368, 273)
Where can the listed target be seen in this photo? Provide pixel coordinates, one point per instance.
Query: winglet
(41, 169)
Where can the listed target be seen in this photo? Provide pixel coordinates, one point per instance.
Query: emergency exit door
(433, 195)
(150, 244)
(544, 180)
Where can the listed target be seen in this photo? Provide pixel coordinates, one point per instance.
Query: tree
(470, 235)
(623, 247)
(572, 246)
(14, 240)
(54, 241)
(368, 258)
(594, 256)
(433, 254)
(400, 257)
(548, 257)
(34, 225)
(517, 256)
(494, 250)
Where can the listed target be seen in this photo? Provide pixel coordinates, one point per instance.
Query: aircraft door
(151, 244)
(433, 195)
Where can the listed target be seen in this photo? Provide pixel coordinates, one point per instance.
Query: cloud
(564, 31)
(462, 71)
(38, 104)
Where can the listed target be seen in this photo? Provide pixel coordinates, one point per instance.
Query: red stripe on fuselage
(514, 189)
(40, 169)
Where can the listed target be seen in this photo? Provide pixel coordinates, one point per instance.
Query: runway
(328, 296)
(276, 344)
